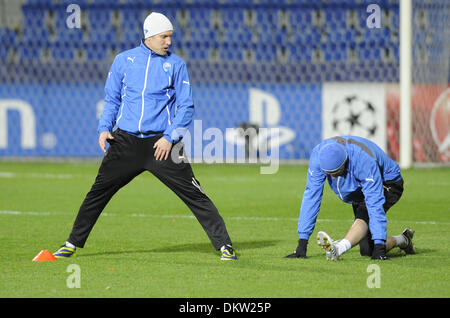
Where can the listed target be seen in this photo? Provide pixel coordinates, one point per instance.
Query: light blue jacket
(368, 167)
(147, 94)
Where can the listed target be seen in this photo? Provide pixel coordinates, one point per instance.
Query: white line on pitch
(10, 175)
(238, 218)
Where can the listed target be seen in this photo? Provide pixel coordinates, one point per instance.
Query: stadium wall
(60, 119)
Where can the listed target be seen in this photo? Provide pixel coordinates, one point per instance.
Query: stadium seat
(62, 52)
(9, 36)
(96, 51)
(29, 53)
(45, 3)
(234, 30)
(100, 28)
(36, 32)
(300, 53)
(131, 26)
(264, 52)
(334, 52)
(3, 48)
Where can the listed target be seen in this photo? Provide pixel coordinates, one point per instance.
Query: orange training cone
(44, 255)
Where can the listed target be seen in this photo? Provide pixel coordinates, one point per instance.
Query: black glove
(379, 252)
(300, 252)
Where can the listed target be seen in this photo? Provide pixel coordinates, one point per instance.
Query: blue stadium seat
(199, 18)
(232, 18)
(169, 12)
(131, 26)
(283, 37)
(302, 38)
(203, 35)
(9, 36)
(3, 52)
(33, 16)
(265, 52)
(334, 52)
(29, 53)
(302, 2)
(229, 52)
(380, 37)
(436, 53)
(238, 36)
(100, 27)
(96, 2)
(369, 52)
(336, 18)
(300, 53)
(309, 36)
(345, 2)
(35, 29)
(43, 3)
(96, 51)
(341, 36)
(300, 19)
(199, 52)
(81, 3)
(3, 48)
(62, 52)
(266, 19)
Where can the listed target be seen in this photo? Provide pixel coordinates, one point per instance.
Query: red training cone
(44, 255)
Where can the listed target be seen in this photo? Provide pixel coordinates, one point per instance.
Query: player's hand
(102, 139)
(300, 252)
(379, 252)
(163, 147)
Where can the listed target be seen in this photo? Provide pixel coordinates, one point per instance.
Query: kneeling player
(360, 173)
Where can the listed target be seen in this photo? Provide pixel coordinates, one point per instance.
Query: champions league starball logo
(354, 116)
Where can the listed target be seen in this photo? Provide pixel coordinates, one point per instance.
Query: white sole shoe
(328, 245)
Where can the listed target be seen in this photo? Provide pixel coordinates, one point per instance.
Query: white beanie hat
(156, 23)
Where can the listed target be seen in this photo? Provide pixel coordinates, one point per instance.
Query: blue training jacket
(147, 94)
(368, 167)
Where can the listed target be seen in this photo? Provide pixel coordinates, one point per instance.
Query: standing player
(360, 173)
(149, 100)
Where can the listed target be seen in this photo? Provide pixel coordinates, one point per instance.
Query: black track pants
(393, 191)
(127, 157)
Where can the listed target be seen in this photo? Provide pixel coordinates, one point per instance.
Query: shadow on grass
(197, 247)
(398, 253)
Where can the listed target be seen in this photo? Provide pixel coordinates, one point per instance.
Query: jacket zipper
(339, 190)
(142, 95)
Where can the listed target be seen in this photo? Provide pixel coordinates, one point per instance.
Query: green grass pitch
(147, 243)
